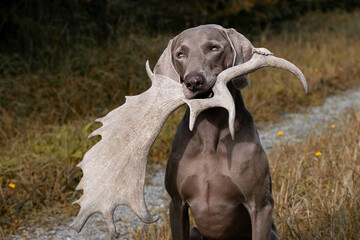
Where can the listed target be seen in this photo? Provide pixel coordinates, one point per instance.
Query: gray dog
(217, 166)
(226, 183)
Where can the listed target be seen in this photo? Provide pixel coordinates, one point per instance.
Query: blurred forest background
(62, 47)
(64, 63)
(29, 26)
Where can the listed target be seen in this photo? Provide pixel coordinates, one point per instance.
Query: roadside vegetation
(48, 111)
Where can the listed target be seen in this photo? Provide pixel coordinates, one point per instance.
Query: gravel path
(295, 127)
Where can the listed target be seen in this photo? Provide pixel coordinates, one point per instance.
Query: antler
(114, 169)
(222, 97)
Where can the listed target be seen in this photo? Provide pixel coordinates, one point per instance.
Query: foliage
(29, 26)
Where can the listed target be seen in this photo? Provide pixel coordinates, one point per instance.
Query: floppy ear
(243, 51)
(242, 46)
(164, 66)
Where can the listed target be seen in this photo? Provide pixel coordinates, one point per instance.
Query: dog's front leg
(262, 223)
(179, 220)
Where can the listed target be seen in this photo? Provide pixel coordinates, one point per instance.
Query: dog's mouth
(203, 93)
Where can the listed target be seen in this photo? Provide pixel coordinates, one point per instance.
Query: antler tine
(262, 58)
(222, 97)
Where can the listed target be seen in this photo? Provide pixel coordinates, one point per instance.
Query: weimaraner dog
(226, 183)
(216, 167)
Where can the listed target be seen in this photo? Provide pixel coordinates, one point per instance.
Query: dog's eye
(214, 48)
(180, 54)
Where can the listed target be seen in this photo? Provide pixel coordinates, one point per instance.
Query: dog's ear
(165, 66)
(242, 49)
(241, 45)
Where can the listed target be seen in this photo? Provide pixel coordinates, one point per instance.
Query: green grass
(47, 112)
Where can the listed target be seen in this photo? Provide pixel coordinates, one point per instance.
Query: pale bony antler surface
(114, 169)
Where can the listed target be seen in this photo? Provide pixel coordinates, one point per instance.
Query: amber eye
(180, 54)
(214, 48)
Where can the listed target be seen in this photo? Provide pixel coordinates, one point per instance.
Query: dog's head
(197, 55)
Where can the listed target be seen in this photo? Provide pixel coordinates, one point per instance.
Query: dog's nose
(194, 81)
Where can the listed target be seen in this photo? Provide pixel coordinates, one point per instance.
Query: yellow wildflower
(332, 126)
(11, 185)
(318, 154)
(280, 133)
(316, 69)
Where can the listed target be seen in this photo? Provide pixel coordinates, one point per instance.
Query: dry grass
(38, 152)
(325, 47)
(86, 80)
(74, 83)
(315, 186)
(38, 171)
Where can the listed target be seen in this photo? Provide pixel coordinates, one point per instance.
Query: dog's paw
(262, 51)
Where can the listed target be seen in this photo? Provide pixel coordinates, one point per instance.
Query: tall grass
(38, 170)
(72, 83)
(47, 105)
(315, 186)
(324, 46)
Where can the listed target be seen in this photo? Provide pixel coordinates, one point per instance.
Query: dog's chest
(206, 176)
(213, 197)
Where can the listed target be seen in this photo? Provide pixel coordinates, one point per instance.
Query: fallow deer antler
(114, 169)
